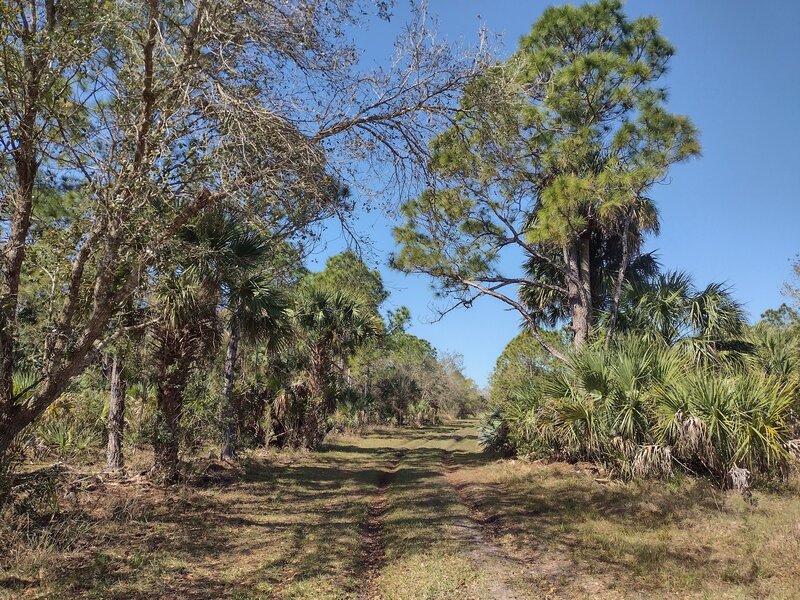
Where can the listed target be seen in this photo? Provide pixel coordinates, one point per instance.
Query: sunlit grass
(682, 539)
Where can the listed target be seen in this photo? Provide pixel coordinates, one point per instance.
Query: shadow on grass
(617, 531)
(289, 521)
(278, 524)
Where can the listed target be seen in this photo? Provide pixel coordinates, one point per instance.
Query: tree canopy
(554, 157)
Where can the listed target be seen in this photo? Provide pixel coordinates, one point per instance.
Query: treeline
(274, 366)
(165, 167)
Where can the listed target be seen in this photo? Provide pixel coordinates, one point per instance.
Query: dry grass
(269, 533)
(400, 514)
(595, 539)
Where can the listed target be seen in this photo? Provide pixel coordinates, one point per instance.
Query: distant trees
(122, 124)
(522, 361)
(793, 288)
(555, 155)
(346, 365)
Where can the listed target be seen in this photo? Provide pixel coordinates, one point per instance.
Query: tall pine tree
(555, 153)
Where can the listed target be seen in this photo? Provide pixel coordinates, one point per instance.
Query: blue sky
(732, 215)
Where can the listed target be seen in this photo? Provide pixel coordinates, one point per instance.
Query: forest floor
(411, 513)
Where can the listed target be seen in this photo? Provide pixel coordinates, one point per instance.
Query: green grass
(453, 523)
(424, 556)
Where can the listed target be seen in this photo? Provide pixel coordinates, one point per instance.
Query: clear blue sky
(732, 215)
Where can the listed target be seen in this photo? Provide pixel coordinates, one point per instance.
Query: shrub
(493, 433)
(353, 411)
(643, 409)
(67, 439)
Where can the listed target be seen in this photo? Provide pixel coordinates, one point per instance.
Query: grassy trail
(371, 516)
(408, 514)
(432, 547)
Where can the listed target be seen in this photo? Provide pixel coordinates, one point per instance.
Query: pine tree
(556, 151)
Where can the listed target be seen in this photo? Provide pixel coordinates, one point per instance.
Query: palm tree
(232, 257)
(256, 312)
(671, 310)
(330, 325)
(184, 335)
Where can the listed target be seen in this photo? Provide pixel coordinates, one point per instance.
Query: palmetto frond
(259, 311)
(640, 405)
(709, 323)
(336, 318)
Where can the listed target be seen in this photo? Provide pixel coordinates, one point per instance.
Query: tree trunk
(115, 422)
(26, 157)
(173, 376)
(14, 254)
(579, 292)
(166, 438)
(311, 429)
(228, 420)
(620, 280)
(8, 432)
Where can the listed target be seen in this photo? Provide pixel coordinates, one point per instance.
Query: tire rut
(480, 532)
(373, 548)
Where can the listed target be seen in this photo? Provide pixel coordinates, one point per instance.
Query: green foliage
(493, 433)
(669, 309)
(200, 419)
(346, 271)
(643, 409)
(522, 361)
(67, 440)
(332, 322)
(73, 427)
(775, 351)
(555, 153)
(353, 411)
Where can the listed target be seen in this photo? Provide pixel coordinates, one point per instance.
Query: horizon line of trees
(166, 166)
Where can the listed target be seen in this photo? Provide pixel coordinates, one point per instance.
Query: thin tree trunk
(143, 383)
(115, 422)
(228, 451)
(586, 281)
(26, 158)
(623, 269)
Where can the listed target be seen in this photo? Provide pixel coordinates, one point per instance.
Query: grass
(268, 534)
(402, 514)
(428, 547)
(593, 539)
